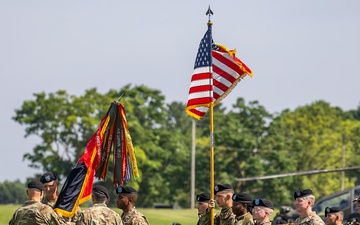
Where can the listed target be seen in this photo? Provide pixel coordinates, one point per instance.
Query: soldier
(304, 201)
(334, 216)
(262, 211)
(357, 200)
(242, 204)
(223, 197)
(33, 211)
(99, 213)
(51, 185)
(204, 213)
(51, 189)
(126, 201)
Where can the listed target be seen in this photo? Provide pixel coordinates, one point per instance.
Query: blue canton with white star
(204, 56)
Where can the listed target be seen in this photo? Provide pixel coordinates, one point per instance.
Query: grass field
(155, 216)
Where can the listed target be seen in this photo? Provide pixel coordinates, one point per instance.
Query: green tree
(237, 134)
(13, 192)
(64, 123)
(309, 138)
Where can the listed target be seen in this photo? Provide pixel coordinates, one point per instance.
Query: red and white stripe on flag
(200, 92)
(207, 87)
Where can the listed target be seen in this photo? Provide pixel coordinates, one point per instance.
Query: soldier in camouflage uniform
(334, 216)
(204, 213)
(242, 204)
(223, 197)
(262, 211)
(99, 213)
(33, 211)
(304, 201)
(51, 185)
(126, 201)
(357, 200)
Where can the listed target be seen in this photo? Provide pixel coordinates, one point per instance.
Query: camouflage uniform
(99, 214)
(67, 219)
(47, 202)
(134, 217)
(312, 219)
(34, 212)
(225, 217)
(264, 223)
(204, 219)
(245, 219)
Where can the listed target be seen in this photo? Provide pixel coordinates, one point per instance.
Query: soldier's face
(301, 204)
(122, 201)
(221, 199)
(51, 188)
(201, 207)
(330, 219)
(259, 213)
(238, 208)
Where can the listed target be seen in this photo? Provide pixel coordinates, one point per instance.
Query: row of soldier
(44, 193)
(236, 208)
(241, 209)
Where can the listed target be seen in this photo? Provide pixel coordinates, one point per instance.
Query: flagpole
(212, 185)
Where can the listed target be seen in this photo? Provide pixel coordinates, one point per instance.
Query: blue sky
(300, 51)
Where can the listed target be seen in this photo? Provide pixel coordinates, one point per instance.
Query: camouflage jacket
(67, 219)
(225, 217)
(47, 202)
(245, 219)
(312, 219)
(264, 223)
(204, 219)
(99, 214)
(134, 217)
(34, 212)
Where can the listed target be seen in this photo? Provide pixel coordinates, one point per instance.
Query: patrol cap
(36, 184)
(203, 197)
(302, 193)
(222, 187)
(242, 198)
(48, 177)
(101, 189)
(125, 190)
(263, 202)
(332, 210)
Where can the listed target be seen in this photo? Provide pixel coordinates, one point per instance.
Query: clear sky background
(300, 51)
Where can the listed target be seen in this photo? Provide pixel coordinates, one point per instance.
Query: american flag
(216, 72)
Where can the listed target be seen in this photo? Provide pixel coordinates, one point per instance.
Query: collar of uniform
(99, 204)
(226, 213)
(242, 216)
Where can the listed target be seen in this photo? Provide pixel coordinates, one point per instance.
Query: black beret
(302, 193)
(203, 197)
(332, 210)
(263, 202)
(101, 189)
(36, 184)
(48, 177)
(125, 190)
(222, 187)
(242, 198)
(357, 199)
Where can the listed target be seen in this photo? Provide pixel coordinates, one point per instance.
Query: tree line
(249, 141)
